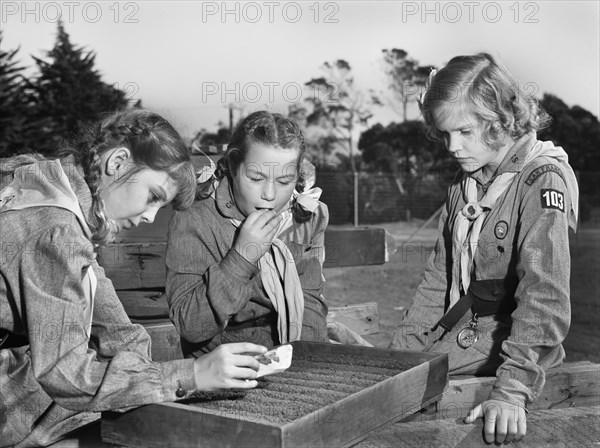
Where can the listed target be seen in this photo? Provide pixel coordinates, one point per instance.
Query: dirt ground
(393, 284)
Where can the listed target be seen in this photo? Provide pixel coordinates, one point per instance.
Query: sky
(189, 60)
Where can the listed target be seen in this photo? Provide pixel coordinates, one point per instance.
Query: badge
(501, 230)
(468, 335)
(553, 199)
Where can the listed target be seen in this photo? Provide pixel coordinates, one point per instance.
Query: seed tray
(332, 395)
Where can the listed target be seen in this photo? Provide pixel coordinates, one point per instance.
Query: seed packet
(275, 360)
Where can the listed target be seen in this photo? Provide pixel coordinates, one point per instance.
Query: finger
(246, 361)
(489, 426)
(264, 217)
(273, 222)
(245, 347)
(521, 428)
(242, 384)
(242, 373)
(512, 429)
(474, 414)
(502, 425)
(253, 216)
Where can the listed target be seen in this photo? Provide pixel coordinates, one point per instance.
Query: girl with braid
(244, 262)
(67, 349)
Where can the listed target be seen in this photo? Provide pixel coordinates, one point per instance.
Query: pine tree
(70, 91)
(17, 126)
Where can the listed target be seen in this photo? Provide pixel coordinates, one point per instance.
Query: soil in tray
(311, 383)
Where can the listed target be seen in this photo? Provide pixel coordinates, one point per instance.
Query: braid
(105, 228)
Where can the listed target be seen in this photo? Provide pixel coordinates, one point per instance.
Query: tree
(17, 127)
(70, 91)
(406, 78)
(402, 149)
(574, 128)
(337, 106)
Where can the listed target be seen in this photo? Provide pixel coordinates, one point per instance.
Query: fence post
(355, 198)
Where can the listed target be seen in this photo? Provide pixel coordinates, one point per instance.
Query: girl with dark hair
(495, 296)
(67, 349)
(244, 262)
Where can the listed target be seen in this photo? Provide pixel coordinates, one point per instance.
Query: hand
(256, 234)
(226, 367)
(503, 422)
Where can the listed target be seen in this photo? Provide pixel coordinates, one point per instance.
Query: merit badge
(468, 335)
(501, 229)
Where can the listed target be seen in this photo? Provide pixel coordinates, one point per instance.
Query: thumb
(474, 414)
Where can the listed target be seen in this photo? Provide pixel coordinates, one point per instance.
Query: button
(495, 293)
(229, 204)
(180, 392)
(500, 249)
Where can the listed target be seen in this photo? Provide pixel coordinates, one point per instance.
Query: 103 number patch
(553, 199)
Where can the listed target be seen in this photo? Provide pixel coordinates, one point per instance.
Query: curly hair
(153, 143)
(268, 129)
(483, 87)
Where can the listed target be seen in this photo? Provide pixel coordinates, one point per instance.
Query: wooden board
(572, 384)
(136, 265)
(566, 428)
(166, 344)
(362, 318)
(357, 247)
(342, 423)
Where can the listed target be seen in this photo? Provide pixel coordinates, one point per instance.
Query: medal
(468, 335)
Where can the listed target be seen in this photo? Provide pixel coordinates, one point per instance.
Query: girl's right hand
(256, 234)
(226, 367)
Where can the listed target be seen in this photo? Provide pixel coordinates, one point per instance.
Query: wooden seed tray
(332, 395)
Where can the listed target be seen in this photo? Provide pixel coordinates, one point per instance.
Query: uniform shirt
(59, 379)
(215, 294)
(524, 240)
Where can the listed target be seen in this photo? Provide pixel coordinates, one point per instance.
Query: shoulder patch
(553, 199)
(541, 170)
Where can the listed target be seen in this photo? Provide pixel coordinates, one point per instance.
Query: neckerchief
(468, 222)
(45, 184)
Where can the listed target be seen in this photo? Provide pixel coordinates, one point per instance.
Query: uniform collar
(513, 161)
(225, 201)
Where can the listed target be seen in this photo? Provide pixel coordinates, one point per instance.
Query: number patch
(553, 199)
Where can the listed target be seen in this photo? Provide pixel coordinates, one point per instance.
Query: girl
(67, 348)
(244, 262)
(495, 296)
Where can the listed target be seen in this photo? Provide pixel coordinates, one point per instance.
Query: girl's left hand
(503, 422)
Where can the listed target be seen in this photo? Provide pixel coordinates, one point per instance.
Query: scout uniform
(515, 312)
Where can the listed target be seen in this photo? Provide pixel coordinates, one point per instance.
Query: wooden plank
(339, 424)
(166, 344)
(566, 428)
(135, 265)
(362, 318)
(356, 247)
(571, 384)
(144, 304)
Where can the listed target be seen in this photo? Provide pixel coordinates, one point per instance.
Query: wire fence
(383, 197)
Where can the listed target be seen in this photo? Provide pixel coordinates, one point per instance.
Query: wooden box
(353, 411)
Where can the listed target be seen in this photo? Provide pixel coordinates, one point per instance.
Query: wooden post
(355, 198)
